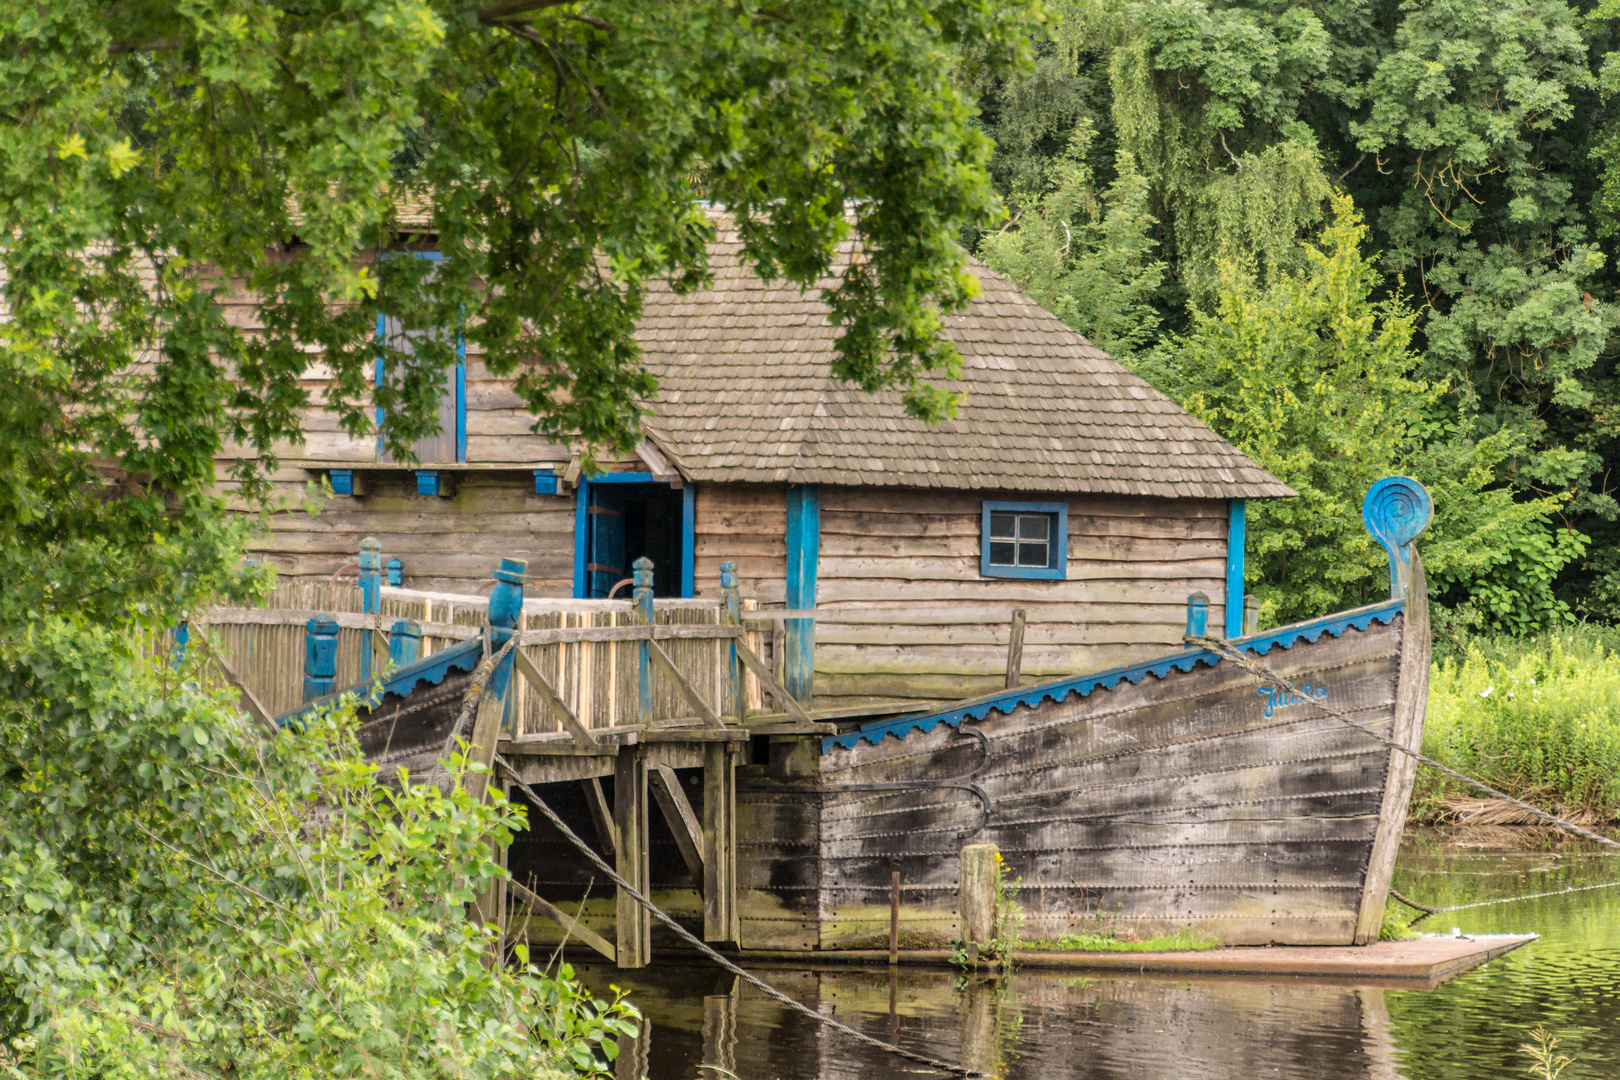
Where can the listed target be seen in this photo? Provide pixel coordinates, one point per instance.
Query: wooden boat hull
(1173, 794)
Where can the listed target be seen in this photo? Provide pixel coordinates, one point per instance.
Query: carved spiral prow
(1396, 510)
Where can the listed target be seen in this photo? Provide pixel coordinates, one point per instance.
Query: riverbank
(1538, 718)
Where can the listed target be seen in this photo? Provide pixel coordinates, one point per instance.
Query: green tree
(1086, 257)
(1313, 377)
(156, 158)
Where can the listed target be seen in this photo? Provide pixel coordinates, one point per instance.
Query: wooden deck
(1420, 964)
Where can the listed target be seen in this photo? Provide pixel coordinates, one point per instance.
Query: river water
(1057, 1027)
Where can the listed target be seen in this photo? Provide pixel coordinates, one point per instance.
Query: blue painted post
(1236, 539)
(733, 601)
(320, 657)
(394, 571)
(803, 553)
(642, 575)
(404, 642)
(1197, 615)
(370, 596)
(180, 634)
(505, 609)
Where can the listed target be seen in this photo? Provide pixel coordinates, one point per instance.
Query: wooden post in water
(736, 694)
(370, 597)
(894, 917)
(977, 896)
(642, 597)
(404, 642)
(721, 920)
(1015, 649)
(320, 657)
(634, 936)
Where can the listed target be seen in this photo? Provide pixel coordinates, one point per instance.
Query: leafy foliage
(1313, 378)
(1538, 718)
(1476, 139)
(186, 897)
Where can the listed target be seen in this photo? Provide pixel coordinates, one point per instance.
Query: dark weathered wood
(770, 685)
(571, 926)
(607, 835)
(1015, 649)
(634, 937)
(693, 698)
(532, 675)
(683, 823)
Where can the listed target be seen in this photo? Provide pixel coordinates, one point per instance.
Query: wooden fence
(596, 679)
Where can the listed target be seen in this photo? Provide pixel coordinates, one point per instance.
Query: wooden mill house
(1067, 489)
(1058, 525)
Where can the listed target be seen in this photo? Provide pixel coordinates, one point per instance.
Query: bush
(1536, 717)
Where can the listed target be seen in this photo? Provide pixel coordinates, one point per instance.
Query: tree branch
(151, 46)
(505, 9)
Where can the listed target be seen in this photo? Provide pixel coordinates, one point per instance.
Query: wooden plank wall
(905, 613)
(445, 544)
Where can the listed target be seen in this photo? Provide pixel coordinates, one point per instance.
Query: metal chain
(686, 936)
(1265, 674)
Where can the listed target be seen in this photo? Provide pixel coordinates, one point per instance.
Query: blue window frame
(599, 539)
(451, 413)
(1024, 540)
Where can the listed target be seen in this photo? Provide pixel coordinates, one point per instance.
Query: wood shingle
(747, 396)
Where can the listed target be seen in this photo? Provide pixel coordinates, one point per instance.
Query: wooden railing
(579, 666)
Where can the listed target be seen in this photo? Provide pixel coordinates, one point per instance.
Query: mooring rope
(475, 690)
(1265, 674)
(686, 936)
(1427, 911)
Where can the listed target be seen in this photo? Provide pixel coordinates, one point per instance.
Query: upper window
(1025, 540)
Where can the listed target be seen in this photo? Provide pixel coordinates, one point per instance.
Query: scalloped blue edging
(430, 670)
(1260, 645)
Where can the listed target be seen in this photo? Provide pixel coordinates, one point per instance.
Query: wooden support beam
(602, 817)
(693, 698)
(488, 906)
(531, 674)
(666, 788)
(720, 910)
(570, 925)
(630, 817)
(771, 686)
(250, 701)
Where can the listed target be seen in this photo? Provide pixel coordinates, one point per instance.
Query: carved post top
(728, 574)
(370, 554)
(1396, 510)
(1197, 614)
(642, 574)
(506, 599)
(322, 626)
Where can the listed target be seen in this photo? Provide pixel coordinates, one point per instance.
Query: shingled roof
(746, 395)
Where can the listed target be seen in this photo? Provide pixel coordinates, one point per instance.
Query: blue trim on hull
(1260, 644)
(402, 683)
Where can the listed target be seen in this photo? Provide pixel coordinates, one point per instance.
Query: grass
(1182, 940)
(1536, 717)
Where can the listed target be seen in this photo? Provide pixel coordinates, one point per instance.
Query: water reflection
(1042, 1025)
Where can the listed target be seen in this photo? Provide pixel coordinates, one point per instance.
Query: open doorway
(626, 521)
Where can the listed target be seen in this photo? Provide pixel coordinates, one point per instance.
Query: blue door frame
(582, 529)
